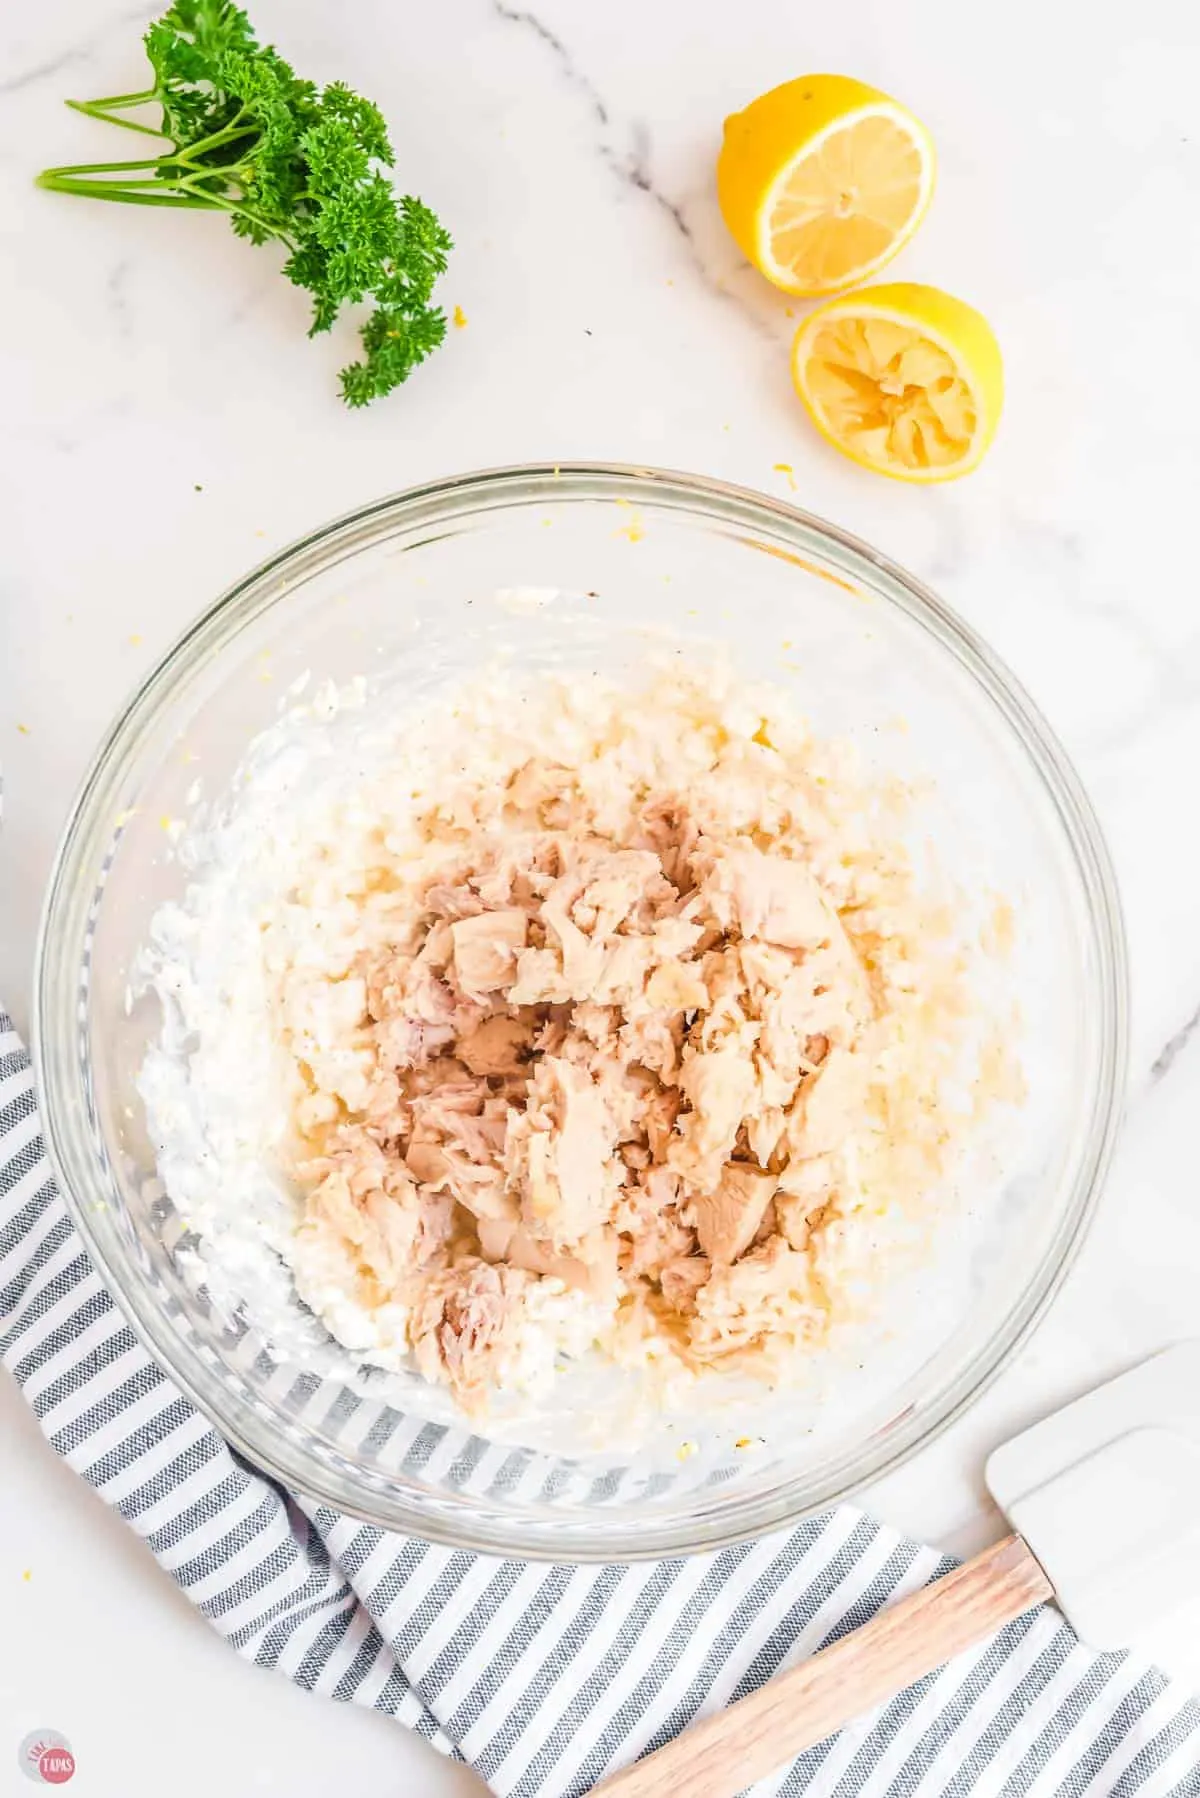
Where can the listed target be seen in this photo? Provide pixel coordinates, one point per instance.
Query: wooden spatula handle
(719, 1756)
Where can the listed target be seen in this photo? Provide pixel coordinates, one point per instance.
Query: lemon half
(822, 180)
(902, 378)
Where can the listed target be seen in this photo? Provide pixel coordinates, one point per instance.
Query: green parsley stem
(113, 105)
(230, 135)
(117, 102)
(104, 168)
(79, 179)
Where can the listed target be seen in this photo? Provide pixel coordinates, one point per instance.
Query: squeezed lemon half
(902, 378)
(822, 180)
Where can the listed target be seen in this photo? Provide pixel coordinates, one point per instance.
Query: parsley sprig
(288, 162)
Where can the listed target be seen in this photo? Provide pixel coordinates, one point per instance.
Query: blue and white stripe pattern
(545, 1678)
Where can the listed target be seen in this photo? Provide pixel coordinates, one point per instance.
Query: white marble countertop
(167, 423)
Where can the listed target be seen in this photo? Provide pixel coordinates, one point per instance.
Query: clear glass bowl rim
(60, 1025)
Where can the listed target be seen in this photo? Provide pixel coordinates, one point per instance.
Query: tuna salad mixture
(617, 1022)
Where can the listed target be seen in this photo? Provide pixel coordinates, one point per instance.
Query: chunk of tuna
(771, 897)
(486, 949)
(462, 1320)
(559, 1154)
(497, 1047)
(719, 1085)
(681, 1281)
(727, 1220)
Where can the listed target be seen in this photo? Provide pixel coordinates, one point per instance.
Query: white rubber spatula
(1105, 1500)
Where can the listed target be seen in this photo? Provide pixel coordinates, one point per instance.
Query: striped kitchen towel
(544, 1678)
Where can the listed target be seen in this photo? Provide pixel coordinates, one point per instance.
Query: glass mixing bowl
(404, 586)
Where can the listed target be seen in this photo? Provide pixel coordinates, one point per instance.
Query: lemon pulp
(902, 378)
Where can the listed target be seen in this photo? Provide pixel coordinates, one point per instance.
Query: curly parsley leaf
(287, 162)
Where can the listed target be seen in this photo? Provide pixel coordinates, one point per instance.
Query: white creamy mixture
(556, 1020)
